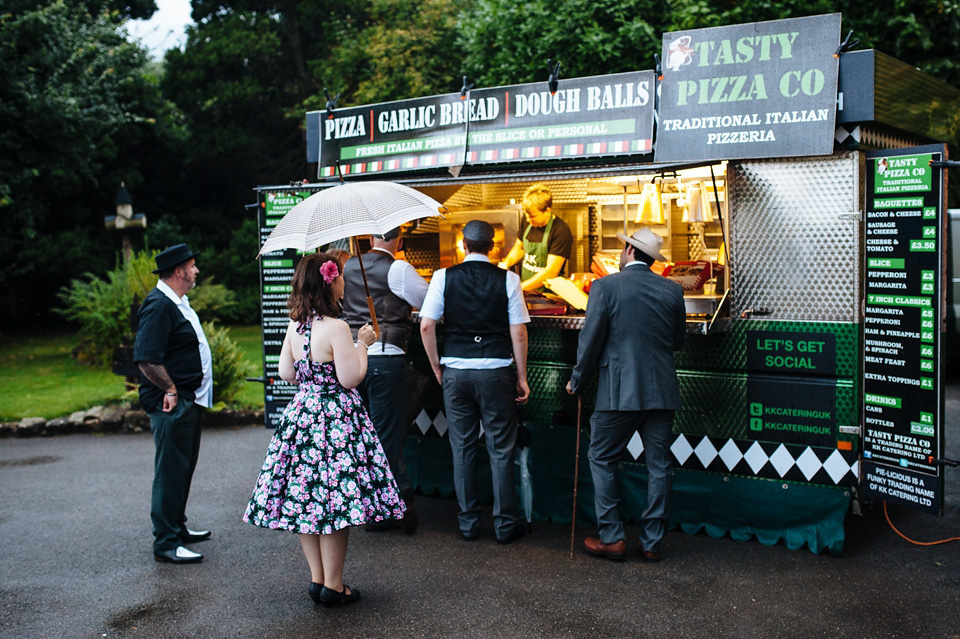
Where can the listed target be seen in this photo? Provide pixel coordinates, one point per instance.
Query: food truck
(800, 189)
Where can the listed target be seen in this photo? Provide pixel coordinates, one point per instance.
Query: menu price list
(276, 271)
(901, 387)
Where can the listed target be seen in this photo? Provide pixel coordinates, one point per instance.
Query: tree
(407, 48)
(79, 114)
(509, 41)
(248, 73)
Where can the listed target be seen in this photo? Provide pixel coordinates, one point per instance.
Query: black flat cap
(478, 231)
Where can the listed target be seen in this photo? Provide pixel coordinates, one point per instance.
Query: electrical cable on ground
(916, 543)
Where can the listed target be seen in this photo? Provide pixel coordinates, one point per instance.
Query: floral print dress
(325, 468)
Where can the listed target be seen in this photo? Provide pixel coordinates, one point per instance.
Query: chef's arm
(514, 256)
(552, 269)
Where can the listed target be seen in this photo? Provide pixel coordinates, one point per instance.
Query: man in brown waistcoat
(396, 288)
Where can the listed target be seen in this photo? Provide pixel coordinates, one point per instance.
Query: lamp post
(124, 220)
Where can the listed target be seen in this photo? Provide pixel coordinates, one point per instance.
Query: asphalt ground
(76, 561)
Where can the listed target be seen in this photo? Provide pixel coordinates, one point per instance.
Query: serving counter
(726, 481)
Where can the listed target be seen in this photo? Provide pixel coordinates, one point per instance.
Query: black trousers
(386, 393)
(176, 436)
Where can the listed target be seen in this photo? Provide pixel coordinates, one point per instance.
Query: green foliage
(40, 378)
(406, 49)
(250, 341)
(211, 301)
(924, 33)
(230, 370)
(509, 41)
(239, 270)
(80, 113)
(101, 307)
(136, 9)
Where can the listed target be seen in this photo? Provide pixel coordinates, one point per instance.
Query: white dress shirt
(405, 283)
(205, 392)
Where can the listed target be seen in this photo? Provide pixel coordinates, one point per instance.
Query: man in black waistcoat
(176, 379)
(396, 288)
(484, 325)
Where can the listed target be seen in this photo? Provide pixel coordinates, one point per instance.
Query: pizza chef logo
(882, 166)
(679, 53)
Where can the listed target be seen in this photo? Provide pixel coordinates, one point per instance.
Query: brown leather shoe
(617, 551)
(648, 555)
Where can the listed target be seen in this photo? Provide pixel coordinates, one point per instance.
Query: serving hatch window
(687, 207)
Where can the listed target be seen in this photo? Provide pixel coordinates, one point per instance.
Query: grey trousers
(610, 432)
(386, 393)
(177, 438)
(472, 396)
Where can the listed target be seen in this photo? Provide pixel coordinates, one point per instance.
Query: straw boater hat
(173, 256)
(645, 241)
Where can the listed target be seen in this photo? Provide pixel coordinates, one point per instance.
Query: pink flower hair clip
(329, 271)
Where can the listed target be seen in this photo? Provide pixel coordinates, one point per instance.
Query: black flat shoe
(193, 536)
(178, 555)
(516, 533)
(314, 591)
(331, 598)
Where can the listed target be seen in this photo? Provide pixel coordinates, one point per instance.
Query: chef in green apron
(544, 243)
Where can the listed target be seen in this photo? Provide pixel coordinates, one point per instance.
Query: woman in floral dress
(325, 469)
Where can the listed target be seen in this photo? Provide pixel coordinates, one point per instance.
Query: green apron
(535, 253)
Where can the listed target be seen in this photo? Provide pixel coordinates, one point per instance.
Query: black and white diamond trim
(770, 460)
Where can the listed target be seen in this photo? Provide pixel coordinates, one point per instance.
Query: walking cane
(576, 477)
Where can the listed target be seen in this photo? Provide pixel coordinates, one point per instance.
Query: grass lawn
(250, 341)
(40, 378)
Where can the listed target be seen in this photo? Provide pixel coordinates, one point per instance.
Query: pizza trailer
(801, 193)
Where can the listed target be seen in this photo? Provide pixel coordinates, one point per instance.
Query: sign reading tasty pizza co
(764, 89)
(584, 117)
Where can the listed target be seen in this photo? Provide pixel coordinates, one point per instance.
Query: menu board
(276, 271)
(903, 314)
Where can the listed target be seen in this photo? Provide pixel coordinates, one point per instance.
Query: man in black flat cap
(176, 379)
(485, 323)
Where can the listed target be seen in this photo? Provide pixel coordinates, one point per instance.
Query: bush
(102, 306)
(229, 369)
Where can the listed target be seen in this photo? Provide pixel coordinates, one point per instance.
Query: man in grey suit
(635, 321)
